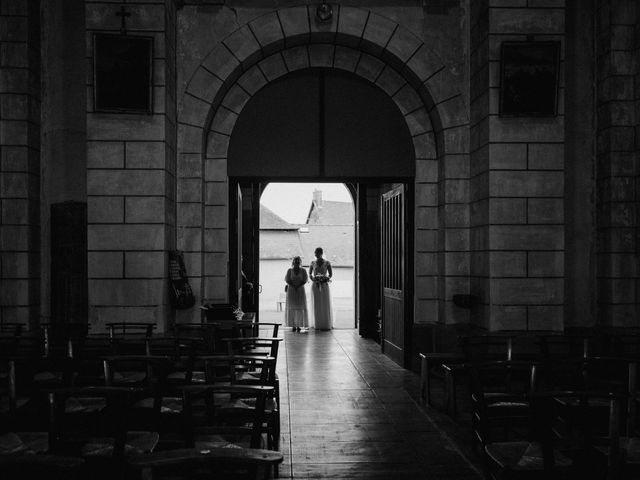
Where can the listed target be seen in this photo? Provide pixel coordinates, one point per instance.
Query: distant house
(279, 239)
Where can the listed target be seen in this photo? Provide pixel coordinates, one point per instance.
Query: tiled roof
(331, 213)
(271, 221)
(278, 244)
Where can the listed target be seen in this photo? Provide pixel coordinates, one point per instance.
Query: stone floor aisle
(348, 412)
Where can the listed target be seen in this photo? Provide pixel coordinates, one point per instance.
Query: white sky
(291, 201)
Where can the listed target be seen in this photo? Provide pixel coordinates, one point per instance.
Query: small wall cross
(123, 14)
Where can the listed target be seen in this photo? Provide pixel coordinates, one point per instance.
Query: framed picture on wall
(529, 78)
(123, 73)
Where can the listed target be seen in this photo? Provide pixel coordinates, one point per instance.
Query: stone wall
(617, 157)
(517, 172)
(20, 161)
(131, 178)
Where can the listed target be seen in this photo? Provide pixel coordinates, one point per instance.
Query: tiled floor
(350, 413)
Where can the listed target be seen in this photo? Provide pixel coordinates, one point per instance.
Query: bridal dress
(321, 298)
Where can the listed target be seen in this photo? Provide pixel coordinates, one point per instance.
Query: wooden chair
(543, 456)
(204, 332)
(58, 347)
(157, 403)
(225, 415)
(17, 443)
(222, 463)
(130, 337)
(475, 349)
(500, 393)
(250, 370)
(10, 338)
(13, 400)
(98, 431)
(29, 464)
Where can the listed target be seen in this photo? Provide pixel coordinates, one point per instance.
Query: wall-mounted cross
(123, 14)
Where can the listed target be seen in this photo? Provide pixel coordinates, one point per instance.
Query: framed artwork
(123, 73)
(529, 78)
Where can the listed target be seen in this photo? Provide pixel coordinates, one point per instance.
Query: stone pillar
(617, 171)
(131, 179)
(64, 132)
(20, 161)
(580, 164)
(517, 186)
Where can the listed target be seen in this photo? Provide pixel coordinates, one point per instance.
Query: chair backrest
(239, 369)
(10, 339)
(262, 346)
(488, 347)
(559, 346)
(79, 414)
(187, 333)
(230, 410)
(130, 337)
(8, 389)
(11, 329)
(146, 372)
(507, 376)
(214, 459)
(582, 427)
(62, 340)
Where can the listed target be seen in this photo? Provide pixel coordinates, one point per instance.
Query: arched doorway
(319, 125)
(288, 40)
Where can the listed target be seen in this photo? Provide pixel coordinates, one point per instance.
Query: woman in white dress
(320, 273)
(296, 314)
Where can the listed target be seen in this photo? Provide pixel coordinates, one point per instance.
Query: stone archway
(355, 40)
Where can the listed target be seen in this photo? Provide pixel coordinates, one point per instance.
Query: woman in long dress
(320, 273)
(295, 313)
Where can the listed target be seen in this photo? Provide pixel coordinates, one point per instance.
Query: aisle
(349, 413)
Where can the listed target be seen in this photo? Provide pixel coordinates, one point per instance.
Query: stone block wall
(131, 178)
(517, 186)
(618, 118)
(19, 161)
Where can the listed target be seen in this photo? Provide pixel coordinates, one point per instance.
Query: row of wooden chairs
(575, 419)
(174, 396)
(449, 366)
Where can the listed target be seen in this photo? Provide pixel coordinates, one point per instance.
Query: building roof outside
(271, 221)
(280, 244)
(330, 225)
(331, 213)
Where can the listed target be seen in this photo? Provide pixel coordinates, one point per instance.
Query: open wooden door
(235, 244)
(250, 246)
(244, 247)
(393, 252)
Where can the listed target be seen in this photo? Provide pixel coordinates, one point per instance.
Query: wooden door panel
(393, 268)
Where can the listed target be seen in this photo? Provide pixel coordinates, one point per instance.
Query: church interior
(491, 150)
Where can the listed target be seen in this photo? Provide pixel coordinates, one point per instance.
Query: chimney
(317, 197)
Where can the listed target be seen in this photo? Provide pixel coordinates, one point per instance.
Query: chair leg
(424, 382)
(450, 394)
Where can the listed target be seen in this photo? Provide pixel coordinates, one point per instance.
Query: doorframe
(354, 186)
(351, 185)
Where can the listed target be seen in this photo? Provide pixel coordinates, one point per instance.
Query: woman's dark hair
(319, 250)
(296, 264)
